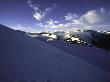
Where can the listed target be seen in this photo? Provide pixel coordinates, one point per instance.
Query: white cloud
(71, 17)
(56, 25)
(40, 14)
(52, 22)
(96, 16)
(25, 28)
(40, 25)
(74, 21)
(92, 17)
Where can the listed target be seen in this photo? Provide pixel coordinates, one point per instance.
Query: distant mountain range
(87, 37)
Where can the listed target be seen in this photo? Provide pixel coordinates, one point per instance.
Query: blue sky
(41, 14)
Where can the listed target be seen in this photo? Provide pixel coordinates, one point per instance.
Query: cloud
(40, 13)
(91, 17)
(25, 28)
(89, 20)
(56, 25)
(73, 21)
(40, 25)
(71, 17)
(95, 17)
(51, 24)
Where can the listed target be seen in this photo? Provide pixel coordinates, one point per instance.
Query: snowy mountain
(25, 58)
(85, 37)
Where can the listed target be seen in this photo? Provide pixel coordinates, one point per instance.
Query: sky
(32, 15)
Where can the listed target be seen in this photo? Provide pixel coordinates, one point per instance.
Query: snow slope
(93, 55)
(26, 58)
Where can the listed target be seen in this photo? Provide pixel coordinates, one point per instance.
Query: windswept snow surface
(26, 58)
(93, 55)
